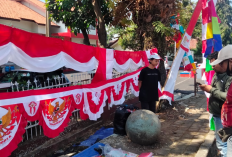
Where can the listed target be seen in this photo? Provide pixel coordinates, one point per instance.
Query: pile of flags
(211, 41)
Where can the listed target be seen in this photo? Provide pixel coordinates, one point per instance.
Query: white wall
(30, 26)
(92, 32)
(42, 12)
(60, 29)
(24, 25)
(34, 7)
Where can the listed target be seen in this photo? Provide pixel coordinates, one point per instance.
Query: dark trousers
(149, 106)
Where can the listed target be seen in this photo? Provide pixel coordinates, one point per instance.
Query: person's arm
(219, 94)
(207, 88)
(141, 78)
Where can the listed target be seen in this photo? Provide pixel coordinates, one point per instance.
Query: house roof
(12, 9)
(193, 44)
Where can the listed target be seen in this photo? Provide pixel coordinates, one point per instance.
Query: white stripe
(169, 87)
(28, 99)
(10, 52)
(109, 63)
(129, 64)
(204, 31)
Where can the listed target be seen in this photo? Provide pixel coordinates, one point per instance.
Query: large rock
(143, 127)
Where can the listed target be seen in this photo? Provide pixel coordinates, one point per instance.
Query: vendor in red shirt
(225, 60)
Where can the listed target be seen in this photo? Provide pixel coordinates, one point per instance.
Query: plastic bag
(115, 153)
(109, 151)
(120, 118)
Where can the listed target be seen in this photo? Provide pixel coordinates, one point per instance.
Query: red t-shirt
(226, 112)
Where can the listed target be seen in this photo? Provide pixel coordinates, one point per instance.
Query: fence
(33, 129)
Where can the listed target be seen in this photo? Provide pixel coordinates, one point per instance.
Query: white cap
(224, 54)
(155, 56)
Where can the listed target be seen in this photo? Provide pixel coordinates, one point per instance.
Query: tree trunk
(86, 37)
(101, 23)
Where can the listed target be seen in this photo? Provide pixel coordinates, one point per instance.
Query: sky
(42, 0)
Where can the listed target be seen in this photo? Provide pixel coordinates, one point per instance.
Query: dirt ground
(73, 148)
(167, 116)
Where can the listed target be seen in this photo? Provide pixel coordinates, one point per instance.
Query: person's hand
(205, 87)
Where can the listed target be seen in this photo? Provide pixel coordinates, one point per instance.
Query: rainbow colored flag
(211, 41)
(211, 38)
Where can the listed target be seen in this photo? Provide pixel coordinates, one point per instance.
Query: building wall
(24, 25)
(60, 29)
(92, 31)
(77, 40)
(30, 26)
(42, 12)
(80, 41)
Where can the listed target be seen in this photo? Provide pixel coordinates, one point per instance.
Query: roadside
(184, 129)
(185, 86)
(184, 132)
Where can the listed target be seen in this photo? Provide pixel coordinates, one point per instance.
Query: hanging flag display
(177, 38)
(184, 47)
(189, 62)
(179, 29)
(175, 23)
(53, 107)
(211, 41)
(211, 38)
(12, 128)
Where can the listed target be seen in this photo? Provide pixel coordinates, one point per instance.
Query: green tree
(150, 26)
(224, 11)
(114, 31)
(129, 38)
(78, 15)
(186, 13)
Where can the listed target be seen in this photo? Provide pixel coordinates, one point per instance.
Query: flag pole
(184, 44)
(48, 24)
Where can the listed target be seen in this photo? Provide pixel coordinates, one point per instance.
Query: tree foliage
(114, 32)
(78, 15)
(149, 24)
(186, 13)
(224, 11)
